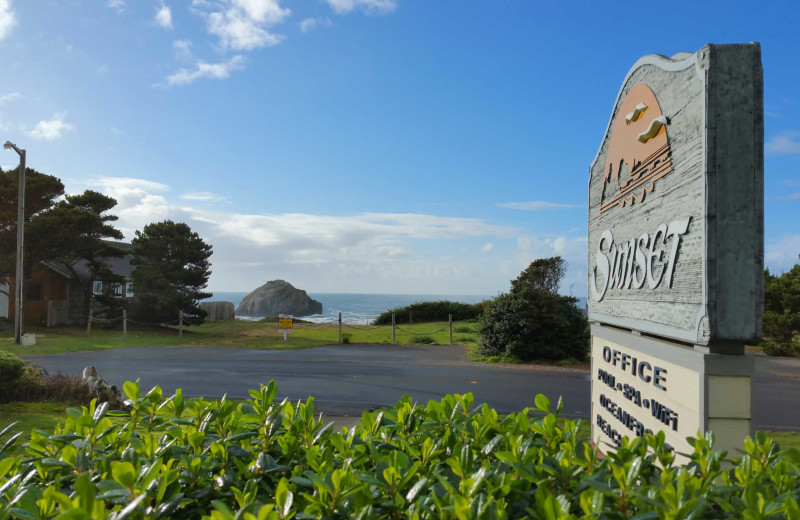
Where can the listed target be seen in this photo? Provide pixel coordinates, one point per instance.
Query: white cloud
(392, 251)
(367, 6)
(50, 130)
(128, 183)
(781, 254)
(116, 131)
(183, 50)
(792, 196)
(137, 204)
(204, 196)
(488, 246)
(203, 70)
(102, 70)
(366, 252)
(7, 18)
(309, 24)
(164, 16)
(118, 5)
(243, 24)
(785, 143)
(319, 232)
(10, 97)
(536, 205)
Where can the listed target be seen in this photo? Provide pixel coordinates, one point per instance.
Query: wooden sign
(676, 200)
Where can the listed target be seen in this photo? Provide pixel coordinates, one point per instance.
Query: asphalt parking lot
(346, 380)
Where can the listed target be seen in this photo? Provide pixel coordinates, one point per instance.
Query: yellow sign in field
(284, 323)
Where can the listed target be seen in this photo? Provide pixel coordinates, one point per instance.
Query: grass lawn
(256, 335)
(42, 416)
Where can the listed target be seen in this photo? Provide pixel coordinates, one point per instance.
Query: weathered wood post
(450, 324)
(394, 336)
(124, 324)
(180, 324)
(233, 326)
(89, 322)
(410, 316)
(340, 327)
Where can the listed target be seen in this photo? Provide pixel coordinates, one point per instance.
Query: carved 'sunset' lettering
(629, 264)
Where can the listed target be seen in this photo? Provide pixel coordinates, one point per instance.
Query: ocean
(358, 309)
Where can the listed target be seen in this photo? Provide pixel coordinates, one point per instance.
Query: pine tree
(171, 269)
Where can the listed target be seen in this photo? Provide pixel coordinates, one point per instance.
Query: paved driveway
(344, 379)
(348, 379)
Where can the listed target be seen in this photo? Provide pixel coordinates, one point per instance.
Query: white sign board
(641, 385)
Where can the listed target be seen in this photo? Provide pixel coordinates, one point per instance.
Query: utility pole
(18, 299)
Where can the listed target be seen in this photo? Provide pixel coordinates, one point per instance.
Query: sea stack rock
(278, 297)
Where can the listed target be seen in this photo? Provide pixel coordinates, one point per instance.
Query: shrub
(11, 369)
(534, 322)
(423, 340)
(346, 338)
(773, 347)
(782, 312)
(430, 311)
(36, 386)
(462, 329)
(533, 326)
(273, 460)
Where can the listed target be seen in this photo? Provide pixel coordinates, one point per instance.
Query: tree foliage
(543, 275)
(782, 312)
(75, 232)
(171, 271)
(41, 192)
(534, 322)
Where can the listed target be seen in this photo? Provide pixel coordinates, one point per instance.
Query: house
(46, 296)
(55, 292)
(123, 290)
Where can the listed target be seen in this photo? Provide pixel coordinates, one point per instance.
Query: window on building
(129, 289)
(97, 287)
(117, 289)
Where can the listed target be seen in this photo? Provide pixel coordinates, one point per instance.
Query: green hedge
(431, 311)
(11, 369)
(269, 460)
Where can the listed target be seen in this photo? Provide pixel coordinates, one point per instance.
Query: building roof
(121, 266)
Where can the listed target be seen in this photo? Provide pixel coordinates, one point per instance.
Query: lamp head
(8, 145)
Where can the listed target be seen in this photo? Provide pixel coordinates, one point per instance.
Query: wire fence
(245, 330)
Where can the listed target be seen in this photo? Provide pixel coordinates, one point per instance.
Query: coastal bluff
(278, 297)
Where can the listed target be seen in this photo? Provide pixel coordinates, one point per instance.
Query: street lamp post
(20, 241)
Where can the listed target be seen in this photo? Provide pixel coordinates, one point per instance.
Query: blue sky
(379, 146)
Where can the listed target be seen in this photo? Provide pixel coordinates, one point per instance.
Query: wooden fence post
(124, 324)
(410, 316)
(450, 323)
(89, 322)
(234, 326)
(340, 327)
(180, 324)
(394, 337)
